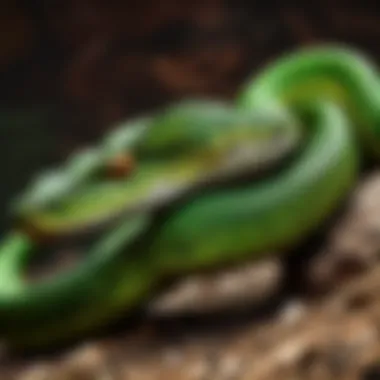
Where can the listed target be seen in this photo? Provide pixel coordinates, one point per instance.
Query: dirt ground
(315, 314)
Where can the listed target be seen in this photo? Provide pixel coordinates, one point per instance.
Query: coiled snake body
(207, 183)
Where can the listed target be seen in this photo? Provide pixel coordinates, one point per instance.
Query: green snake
(211, 183)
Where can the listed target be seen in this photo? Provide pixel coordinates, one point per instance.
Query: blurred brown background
(104, 60)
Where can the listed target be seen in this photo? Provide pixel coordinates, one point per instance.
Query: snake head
(183, 147)
(52, 186)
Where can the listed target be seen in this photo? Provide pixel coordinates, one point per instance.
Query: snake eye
(120, 166)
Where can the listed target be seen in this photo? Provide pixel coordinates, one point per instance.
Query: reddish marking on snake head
(120, 166)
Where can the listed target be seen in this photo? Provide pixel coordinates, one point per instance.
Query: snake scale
(200, 183)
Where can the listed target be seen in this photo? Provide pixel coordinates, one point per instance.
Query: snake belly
(317, 108)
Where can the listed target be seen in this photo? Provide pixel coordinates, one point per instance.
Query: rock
(240, 287)
(353, 245)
